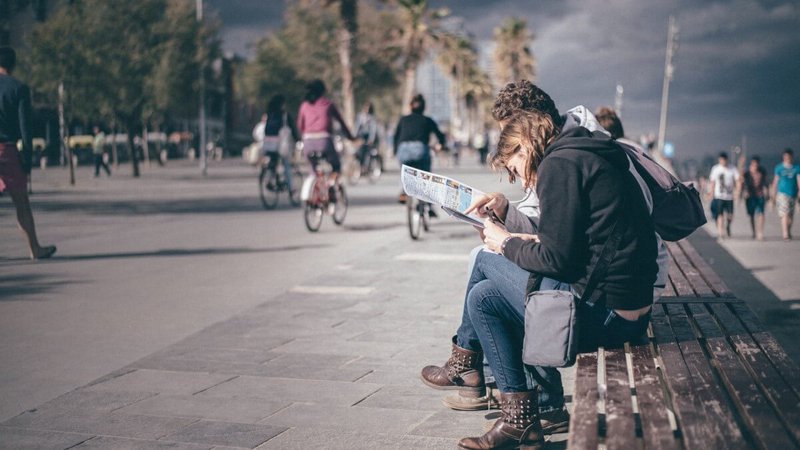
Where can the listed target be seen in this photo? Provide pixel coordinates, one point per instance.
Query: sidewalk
(332, 362)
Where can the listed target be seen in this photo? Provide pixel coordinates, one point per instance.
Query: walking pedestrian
(785, 190)
(723, 179)
(15, 166)
(755, 192)
(99, 150)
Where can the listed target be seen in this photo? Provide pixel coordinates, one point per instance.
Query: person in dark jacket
(412, 138)
(276, 147)
(585, 191)
(15, 167)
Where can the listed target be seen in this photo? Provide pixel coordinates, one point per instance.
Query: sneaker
(470, 401)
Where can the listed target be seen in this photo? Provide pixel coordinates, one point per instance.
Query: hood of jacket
(601, 144)
(580, 116)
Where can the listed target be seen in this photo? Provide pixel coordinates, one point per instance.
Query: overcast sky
(737, 65)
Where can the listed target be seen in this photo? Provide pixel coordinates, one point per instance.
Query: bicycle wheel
(425, 215)
(375, 168)
(297, 182)
(340, 207)
(268, 188)
(313, 216)
(414, 217)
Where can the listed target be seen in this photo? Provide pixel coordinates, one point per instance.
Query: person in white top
(724, 181)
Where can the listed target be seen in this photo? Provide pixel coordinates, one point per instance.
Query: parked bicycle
(273, 180)
(316, 196)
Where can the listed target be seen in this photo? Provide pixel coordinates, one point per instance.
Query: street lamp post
(202, 114)
(669, 68)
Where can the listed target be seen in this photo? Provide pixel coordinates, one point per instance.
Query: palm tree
(513, 58)
(459, 61)
(420, 31)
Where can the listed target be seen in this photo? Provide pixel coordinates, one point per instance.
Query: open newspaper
(453, 196)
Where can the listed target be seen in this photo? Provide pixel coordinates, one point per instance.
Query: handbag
(552, 319)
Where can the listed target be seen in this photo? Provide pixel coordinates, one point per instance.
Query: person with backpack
(588, 198)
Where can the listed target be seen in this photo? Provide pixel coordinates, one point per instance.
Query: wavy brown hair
(531, 131)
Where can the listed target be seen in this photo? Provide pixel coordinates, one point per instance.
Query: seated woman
(585, 192)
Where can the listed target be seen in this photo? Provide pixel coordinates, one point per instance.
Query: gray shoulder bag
(551, 317)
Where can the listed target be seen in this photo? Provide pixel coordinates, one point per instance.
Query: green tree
(513, 58)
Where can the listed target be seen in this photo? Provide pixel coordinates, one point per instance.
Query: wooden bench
(708, 377)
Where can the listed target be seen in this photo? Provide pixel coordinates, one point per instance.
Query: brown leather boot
(463, 371)
(518, 428)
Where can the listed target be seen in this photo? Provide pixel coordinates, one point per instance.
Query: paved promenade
(179, 314)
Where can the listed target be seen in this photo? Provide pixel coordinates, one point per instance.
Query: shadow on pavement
(13, 287)
(777, 316)
(172, 252)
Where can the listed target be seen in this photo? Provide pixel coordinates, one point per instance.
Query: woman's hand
(526, 237)
(494, 235)
(487, 204)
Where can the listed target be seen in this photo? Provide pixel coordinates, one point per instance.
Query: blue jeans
(494, 321)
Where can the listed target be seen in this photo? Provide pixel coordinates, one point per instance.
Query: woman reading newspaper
(586, 195)
(412, 138)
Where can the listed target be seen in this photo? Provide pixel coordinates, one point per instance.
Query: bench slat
(697, 282)
(583, 426)
(705, 270)
(656, 429)
(762, 421)
(682, 286)
(620, 425)
(718, 427)
(778, 388)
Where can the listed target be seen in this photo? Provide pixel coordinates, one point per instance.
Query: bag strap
(598, 271)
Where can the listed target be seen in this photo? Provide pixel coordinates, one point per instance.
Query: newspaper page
(453, 196)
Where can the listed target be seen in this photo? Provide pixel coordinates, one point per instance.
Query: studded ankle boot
(463, 371)
(518, 428)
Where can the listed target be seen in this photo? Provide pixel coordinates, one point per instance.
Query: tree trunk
(145, 145)
(348, 96)
(131, 126)
(114, 154)
(409, 88)
(64, 134)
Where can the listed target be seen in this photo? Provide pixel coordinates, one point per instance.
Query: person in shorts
(15, 166)
(724, 179)
(786, 188)
(755, 192)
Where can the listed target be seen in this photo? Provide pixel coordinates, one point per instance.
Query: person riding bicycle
(277, 119)
(315, 122)
(367, 131)
(412, 136)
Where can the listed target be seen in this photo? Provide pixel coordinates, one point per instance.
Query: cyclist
(315, 122)
(367, 131)
(412, 136)
(277, 119)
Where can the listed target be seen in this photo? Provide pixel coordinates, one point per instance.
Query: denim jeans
(494, 321)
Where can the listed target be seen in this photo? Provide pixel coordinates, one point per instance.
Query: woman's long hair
(314, 90)
(529, 131)
(275, 105)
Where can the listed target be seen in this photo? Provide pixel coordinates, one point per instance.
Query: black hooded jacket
(584, 187)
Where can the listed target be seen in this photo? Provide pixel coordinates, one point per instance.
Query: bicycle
(368, 162)
(316, 195)
(272, 181)
(419, 216)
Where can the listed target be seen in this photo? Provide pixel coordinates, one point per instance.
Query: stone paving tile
(230, 355)
(395, 375)
(452, 424)
(308, 438)
(87, 401)
(293, 390)
(389, 421)
(226, 433)
(188, 365)
(162, 381)
(115, 443)
(23, 439)
(341, 347)
(121, 425)
(418, 398)
(244, 410)
(311, 372)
